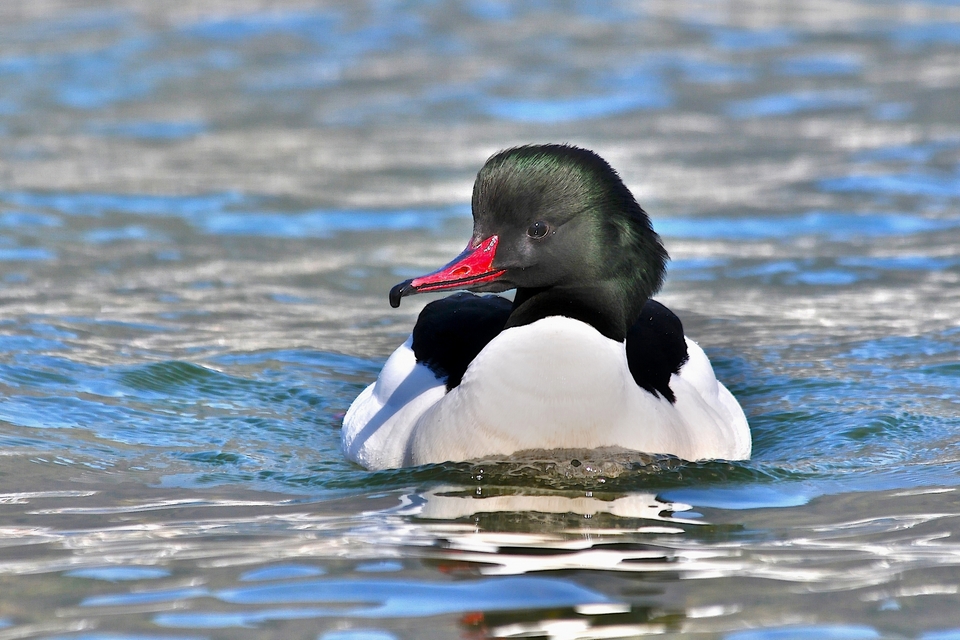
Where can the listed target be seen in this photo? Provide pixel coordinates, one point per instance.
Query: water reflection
(452, 503)
(498, 561)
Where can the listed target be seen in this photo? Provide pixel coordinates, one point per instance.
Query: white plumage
(554, 383)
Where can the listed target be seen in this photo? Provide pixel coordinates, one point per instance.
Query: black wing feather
(451, 332)
(656, 349)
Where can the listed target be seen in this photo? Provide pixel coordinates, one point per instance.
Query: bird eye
(538, 229)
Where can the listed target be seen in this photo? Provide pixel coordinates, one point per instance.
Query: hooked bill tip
(398, 292)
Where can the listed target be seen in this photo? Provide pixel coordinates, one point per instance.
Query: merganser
(582, 358)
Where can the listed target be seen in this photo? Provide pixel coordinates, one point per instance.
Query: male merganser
(581, 359)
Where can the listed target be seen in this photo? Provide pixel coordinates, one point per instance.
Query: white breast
(555, 383)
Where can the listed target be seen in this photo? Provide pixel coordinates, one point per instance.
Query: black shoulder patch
(656, 349)
(451, 332)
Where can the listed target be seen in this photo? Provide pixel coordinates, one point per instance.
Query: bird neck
(601, 305)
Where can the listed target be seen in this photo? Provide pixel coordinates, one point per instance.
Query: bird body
(556, 383)
(582, 358)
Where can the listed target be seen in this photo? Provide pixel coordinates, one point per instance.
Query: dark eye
(538, 229)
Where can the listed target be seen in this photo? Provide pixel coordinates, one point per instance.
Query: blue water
(203, 206)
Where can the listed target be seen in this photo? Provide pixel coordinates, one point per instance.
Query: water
(203, 206)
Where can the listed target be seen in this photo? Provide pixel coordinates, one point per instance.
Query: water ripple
(204, 204)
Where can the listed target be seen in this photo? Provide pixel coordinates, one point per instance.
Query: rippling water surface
(204, 204)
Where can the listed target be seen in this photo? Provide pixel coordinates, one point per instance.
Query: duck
(581, 358)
